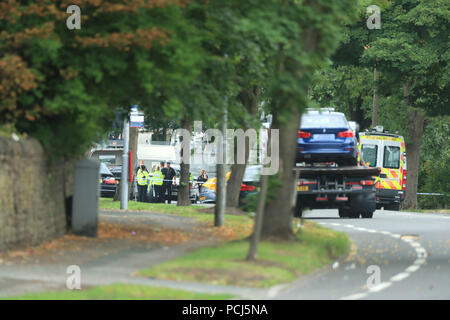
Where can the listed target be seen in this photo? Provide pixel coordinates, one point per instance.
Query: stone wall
(33, 195)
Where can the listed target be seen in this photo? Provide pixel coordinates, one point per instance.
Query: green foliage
(434, 169)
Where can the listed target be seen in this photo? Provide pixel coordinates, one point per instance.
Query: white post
(125, 164)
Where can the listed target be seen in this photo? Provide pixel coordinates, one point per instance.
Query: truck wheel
(367, 215)
(354, 215)
(344, 213)
(298, 209)
(363, 204)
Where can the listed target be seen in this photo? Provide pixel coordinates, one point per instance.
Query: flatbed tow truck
(351, 190)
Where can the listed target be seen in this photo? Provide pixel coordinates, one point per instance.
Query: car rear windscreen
(311, 121)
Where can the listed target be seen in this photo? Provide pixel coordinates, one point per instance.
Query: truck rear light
(346, 134)
(302, 134)
(321, 199)
(305, 182)
(366, 182)
(341, 198)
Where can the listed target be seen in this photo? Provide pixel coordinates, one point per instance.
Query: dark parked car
(108, 182)
(250, 182)
(326, 136)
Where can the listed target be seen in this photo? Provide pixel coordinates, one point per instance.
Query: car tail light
(245, 187)
(346, 134)
(404, 180)
(110, 181)
(302, 134)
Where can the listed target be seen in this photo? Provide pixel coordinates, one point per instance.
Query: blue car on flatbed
(326, 136)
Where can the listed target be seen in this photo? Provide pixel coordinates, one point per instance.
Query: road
(410, 250)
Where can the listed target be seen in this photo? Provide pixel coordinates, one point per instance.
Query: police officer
(157, 182)
(142, 183)
(191, 180)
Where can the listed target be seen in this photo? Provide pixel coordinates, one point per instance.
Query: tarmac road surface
(395, 255)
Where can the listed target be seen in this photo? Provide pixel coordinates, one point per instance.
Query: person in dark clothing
(202, 178)
(169, 176)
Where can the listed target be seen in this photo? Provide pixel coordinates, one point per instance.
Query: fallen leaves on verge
(139, 234)
(134, 232)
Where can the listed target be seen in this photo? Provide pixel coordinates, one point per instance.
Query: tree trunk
(416, 127)
(277, 223)
(250, 100)
(134, 133)
(183, 189)
(375, 98)
(234, 184)
(253, 251)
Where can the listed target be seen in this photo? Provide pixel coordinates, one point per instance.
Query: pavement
(395, 255)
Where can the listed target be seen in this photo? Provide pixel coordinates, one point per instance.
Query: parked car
(194, 194)
(249, 186)
(250, 182)
(208, 193)
(326, 136)
(108, 183)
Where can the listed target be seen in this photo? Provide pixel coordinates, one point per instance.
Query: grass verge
(278, 262)
(236, 226)
(428, 210)
(121, 292)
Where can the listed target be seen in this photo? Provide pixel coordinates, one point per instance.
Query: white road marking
(413, 268)
(355, 296)
(400, 276)
(380, 287)
(421, 255)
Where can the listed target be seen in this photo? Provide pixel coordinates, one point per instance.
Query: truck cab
(379, 148)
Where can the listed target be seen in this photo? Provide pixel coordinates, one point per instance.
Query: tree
(62, 85)
(301, 35)
(412, 48)
(347, 89)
